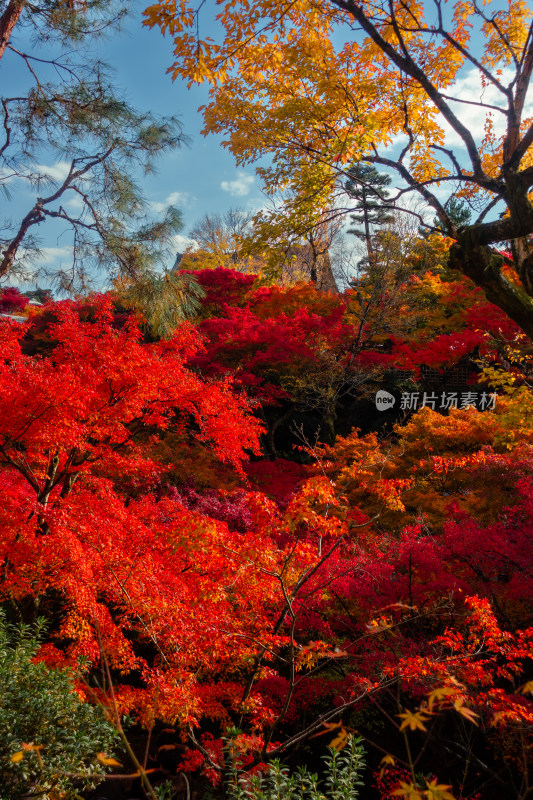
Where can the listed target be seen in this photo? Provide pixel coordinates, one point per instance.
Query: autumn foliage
(307, 90)
(375, 579)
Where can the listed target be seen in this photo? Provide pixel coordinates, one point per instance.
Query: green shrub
(49, 738)
(341, 781)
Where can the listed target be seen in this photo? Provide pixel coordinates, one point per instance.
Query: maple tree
(308, 357)
(84, 538)
(290, 344)
(11, 301)
(321, 87)
(384, 586)
(370, 635)
(427, 635)
(415, 523)
(376, 582)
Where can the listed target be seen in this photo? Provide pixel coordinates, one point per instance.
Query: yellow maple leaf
(327, 726)
(467, 713)
(439, 694)
(437, 791)
(414, 720)
(340, 740)
(408, 790)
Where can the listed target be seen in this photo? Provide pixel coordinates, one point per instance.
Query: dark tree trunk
(484, 266)
(8, 20)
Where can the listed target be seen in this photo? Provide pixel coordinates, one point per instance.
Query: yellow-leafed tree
(319, 87)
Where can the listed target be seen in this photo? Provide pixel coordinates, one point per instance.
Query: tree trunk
(368, 234)
(8, 20)
(7, 257)
(484, 267)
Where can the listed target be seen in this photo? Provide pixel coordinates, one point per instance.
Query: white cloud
(7, 175)
(30, 264)
(74, 202)
(54, 255)
(173, 199)
(255, 205)
(56, 172)
(240, 187)
(181, 243)
(470, 91)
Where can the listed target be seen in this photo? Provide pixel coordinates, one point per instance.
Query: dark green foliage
(39, 707)
(368, 187)
(457, 211)
(68, 22)
(39, 295)
(341, 782)
(164, 300)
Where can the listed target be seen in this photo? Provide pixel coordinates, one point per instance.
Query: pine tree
(163, 300)
(457, 211)
(368, 187)
(72, 145)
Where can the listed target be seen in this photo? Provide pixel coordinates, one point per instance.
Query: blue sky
(198, 178)
(202, 177)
